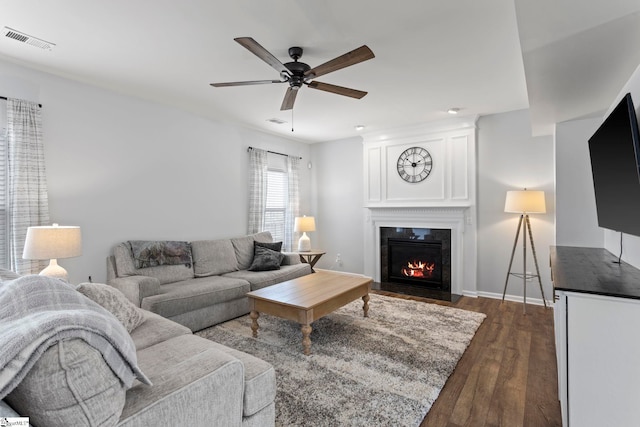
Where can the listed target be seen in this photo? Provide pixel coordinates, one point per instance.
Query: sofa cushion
(164, 273)
(156, 329)
(188, 295)
(7, 275)
(261, 279)
(114, 302)
(259, 380)
(70, 383)
(243, 247)
(213, 257)
(194, 384)
(265, 259)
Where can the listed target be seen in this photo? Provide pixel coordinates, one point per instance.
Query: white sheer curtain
(27, 184)
(293, 167)
(257, 189)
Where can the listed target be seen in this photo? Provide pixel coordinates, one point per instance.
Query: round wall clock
(414, 164)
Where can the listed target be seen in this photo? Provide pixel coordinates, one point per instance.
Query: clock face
(414, 164)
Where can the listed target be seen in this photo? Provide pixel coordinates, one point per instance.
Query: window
(276, 206)
(4, 217)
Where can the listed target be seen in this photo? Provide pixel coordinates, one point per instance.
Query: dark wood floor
(507, 376)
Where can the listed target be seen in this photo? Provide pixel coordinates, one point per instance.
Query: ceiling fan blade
(289, 99)
(337, 89)
(262, 53)
(247, 83)
(356, 56)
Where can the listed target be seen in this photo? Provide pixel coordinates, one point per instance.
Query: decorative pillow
(114, 301)
(275, 246)
(265, 259)
(70, 384)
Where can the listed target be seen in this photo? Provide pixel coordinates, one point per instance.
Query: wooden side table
(311, 257)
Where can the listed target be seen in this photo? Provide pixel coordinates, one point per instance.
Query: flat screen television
(615, 166)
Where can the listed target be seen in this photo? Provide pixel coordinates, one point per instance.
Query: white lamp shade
(52, 242)
(304, 223)
(525, 201)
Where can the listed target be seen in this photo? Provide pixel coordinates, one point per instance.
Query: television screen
(615, 151)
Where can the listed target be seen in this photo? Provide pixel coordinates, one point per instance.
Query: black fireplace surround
(417, 258)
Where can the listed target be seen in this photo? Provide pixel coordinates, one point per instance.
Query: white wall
(337, 171)
(576, 219)
(510, 159)
(123, 168)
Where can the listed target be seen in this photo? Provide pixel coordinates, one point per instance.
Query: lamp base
(55, 271)
(304, 244)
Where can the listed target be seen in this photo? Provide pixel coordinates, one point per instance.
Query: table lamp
(52, 243)
(524, 202)
(304, 224)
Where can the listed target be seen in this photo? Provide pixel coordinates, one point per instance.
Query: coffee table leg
(254, 323)
(365, 307)
(306, 339)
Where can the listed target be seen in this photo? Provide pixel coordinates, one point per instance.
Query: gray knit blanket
(36, 312)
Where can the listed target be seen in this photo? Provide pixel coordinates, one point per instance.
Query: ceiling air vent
(25, 38)
(277, 121)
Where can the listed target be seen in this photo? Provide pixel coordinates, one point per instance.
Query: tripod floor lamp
(524, 202)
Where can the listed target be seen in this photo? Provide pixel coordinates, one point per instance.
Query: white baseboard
(513, 298)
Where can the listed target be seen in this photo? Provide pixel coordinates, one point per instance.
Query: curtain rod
(5, 98)
(274, 152)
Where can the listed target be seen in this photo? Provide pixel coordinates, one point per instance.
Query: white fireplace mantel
(446, 199)
(457, 219)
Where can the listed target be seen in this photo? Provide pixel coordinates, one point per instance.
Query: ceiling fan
(298, 73)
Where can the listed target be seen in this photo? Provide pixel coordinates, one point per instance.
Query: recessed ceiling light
(277, 121)
(453, 110)
(359, 127)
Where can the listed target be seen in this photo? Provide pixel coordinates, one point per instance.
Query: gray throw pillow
(114, 301)
(275, 246)
(265, 259)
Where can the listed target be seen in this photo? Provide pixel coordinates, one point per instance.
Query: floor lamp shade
(304, 224)
(52, 243)
(525, 201)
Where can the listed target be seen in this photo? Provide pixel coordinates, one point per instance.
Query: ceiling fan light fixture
(453, 111)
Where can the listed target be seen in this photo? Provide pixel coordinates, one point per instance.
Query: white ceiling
(562, 59)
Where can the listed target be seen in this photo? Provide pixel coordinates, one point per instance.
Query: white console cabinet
(597, 327)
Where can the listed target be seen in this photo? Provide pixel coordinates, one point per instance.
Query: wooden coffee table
(308, 298)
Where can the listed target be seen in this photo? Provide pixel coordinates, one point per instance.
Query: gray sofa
(196, 382)
(210, 290)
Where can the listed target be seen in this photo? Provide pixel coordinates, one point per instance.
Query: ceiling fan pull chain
(292, 120)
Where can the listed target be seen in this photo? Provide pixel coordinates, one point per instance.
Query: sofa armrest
(291, 258)
(136, 288)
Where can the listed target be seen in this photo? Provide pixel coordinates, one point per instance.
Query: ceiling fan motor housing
(297, 69)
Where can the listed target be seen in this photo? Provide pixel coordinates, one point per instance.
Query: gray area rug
(384, 370)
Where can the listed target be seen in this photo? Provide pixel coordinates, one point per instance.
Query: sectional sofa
(196, 382)
(209, 290)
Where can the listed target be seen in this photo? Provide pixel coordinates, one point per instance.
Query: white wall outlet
(339, 260)
(529, 276)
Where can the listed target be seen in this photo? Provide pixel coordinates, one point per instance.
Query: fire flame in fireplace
(418, 269)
